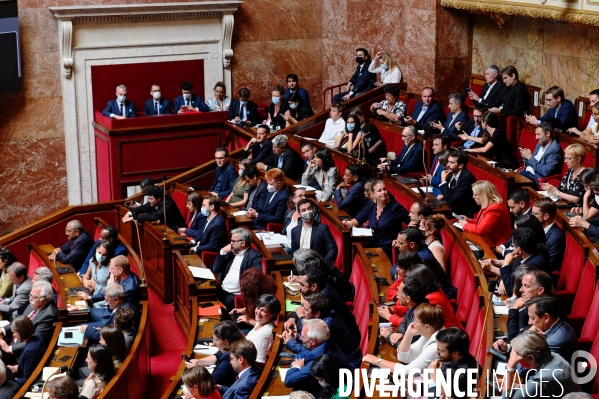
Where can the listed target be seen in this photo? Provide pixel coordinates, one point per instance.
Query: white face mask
(186, 392)
(271, 188)
(597, 199)
(322, 383)
(187, 96)
(156, 95)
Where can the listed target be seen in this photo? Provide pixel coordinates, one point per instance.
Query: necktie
(155, 108)
(123, 109)
(404, 155)
(280, 164)
(32, 314)
(186, 102)
(435, 166)
(452, 183)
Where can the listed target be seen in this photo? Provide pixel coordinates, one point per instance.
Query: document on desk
(200, 272)
(274, 239)
(546, 194)
(361, 232)
(239, 213)
(283, 373)
(458, 226)
(205, 349)
(292, 286)
(428, 189)
(307, 188)
(70, 337)
(500, 310)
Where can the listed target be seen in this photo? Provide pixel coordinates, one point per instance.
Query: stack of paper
(292, 286)
(546, 194)
(48, 371)
(274, 239)
(361, 232)
(205, 349)
(212, 310)
(201, 272)
(283, 373)
(70, 336)
(500, 310)
(307, 188)
(239, 213)
(428, 189)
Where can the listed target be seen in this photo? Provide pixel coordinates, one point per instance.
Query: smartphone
(468, 90)
(185, 357)
(68, 334)
(497, 354)
(64, 358)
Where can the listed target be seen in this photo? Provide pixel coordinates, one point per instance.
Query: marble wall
(545, 53)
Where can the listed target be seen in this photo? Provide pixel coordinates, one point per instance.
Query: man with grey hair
(410, 158)
(457, 114)
(43, 274)
(75, 250)
(493, 89)
(284, 158)
(16, 304)
(120, 108)
(315, 338)
(233, 260)
(43, 313)
(8, 386)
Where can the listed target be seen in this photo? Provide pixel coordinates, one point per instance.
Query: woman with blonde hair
(431, 226)
(493, 219)
(239, 194)
(389, 71)
(570, 188)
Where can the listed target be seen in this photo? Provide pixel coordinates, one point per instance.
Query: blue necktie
(280, 164)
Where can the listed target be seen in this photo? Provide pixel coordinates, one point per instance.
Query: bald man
(75, 250)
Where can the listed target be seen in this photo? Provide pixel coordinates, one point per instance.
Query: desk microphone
(165, 236)
(61, 369)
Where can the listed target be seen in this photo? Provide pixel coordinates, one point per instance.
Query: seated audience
(194, 216)
(259, 148)
(546, 159)
(493, 89)
(456, 185)
(273, 204)
(298, 110)
(253, 285)
(111, 234)
(225, 174)
(322, 174)
(493, 220)
(120, 108)
(516, 99)
(157, 105)
(388, 69)
(545, 210)
(257, 187)
(154, 210)
(561, 114)
(267, 311)
(124, 320)
(391, 109)
(277, 109)
(372, 147)
(410, 158)
(239, 194)
(244, 111)
(526, 220)
(63, 387)
(440, 146)
(33, 350)
(457, 114)
(97, 275)
(570, 188)
(334, 126)
(589, 130)
(591, 133)
(431, 227)
(351, 200)
(16, 304)
(114, 339)
(473, 131)
(99, 361)
(361, 81)
(313, 235)
(496, 146)
(213, 230)
(351, 137)
(426, 111)
(385, 217)
(224, 335)
(531, 350)
(188, 101)
(358, 112)
(284, 158)
(325, 369)
(293, 88)
(198, 383)
(144, 184)
(394, 314)
(220, 101)
(75, 250)
(230, 264)
(7, 258)
(243, 362)
(588, 209)
(409, 295)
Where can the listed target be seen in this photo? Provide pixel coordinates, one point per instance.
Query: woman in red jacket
(493, 219)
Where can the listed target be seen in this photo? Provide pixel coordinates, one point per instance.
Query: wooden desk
(481, 242)
(382, 265)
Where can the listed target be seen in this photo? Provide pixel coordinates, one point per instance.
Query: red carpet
(167, 344)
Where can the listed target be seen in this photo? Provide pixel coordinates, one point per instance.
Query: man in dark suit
(547, 158)
(492, 90)
(153, 210)
(516, 99)
(456, 184)
(410, 158)
(284, 158)
(225, 174)
(353, 200)
(312, 234)
(457, 115)
(426, 111)
(243, 360)
(124, 320)
(559, 108)
(260, 147)
(243, 111)
(8, 386)
(258, 187)
(274, 204)
(120, 108)
(473, 128)
(308, 152)
(293, 87)
(233, 260)
(544, 210)
(17, 303)
(188, 101)
(75, 250)
(361, 81)
(157, 105)
(440, 145)
(212, 228)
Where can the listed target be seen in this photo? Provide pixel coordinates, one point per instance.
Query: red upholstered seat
(511, 131)
(362, 301)
(295, 145)
(411, 105)
(464, 282)
(399, 196)
(481, 174)
(478, 89)
(35, 263)
(478, 339)
(570, 273)
(527, 140)
(180, 199)
(208, 257)
(389, 138)
(338, 240)
(452, 254)
(274, 227)
(583, 298)
(97, 232)
(473, 314)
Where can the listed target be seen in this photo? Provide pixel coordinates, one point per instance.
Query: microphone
(61, 369)
(165, 236)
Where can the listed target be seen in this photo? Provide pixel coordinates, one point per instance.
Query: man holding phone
(492, 90)
(456, 184)
(425, 111)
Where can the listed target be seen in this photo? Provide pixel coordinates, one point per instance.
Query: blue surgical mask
(121, 98)
(385, 67)
(292, 105)
(351, 127)
(204, 212)
(275, 100)
(240, 172)
(243, 102)
(100, 258)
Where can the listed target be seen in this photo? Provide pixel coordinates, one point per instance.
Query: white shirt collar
(548, 227)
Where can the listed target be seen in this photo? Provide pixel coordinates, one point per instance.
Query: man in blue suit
(258, 187)
(410, 158)
(212, 229)
(547, 158)
(274, 205)
(361, 81)
(440, 145)
(120, 108)
(75, 250)
(244, 111)
(243, 360)
(456, 184)
(188, 101)
(233, 260)
(312, 234)
(544, 210)
(293, 87)
(354, 199)
(224, 175)
(559, 108)
(258, 149)
(457, 114)
(157, 105)
(426, 111)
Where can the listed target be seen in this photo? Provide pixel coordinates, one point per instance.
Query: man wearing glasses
(233, 260)
(561, 111)
(516, 100)
(75, 250)
(225, 174)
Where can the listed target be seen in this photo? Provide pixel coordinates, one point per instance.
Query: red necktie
(435, 166)
(32, 314)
